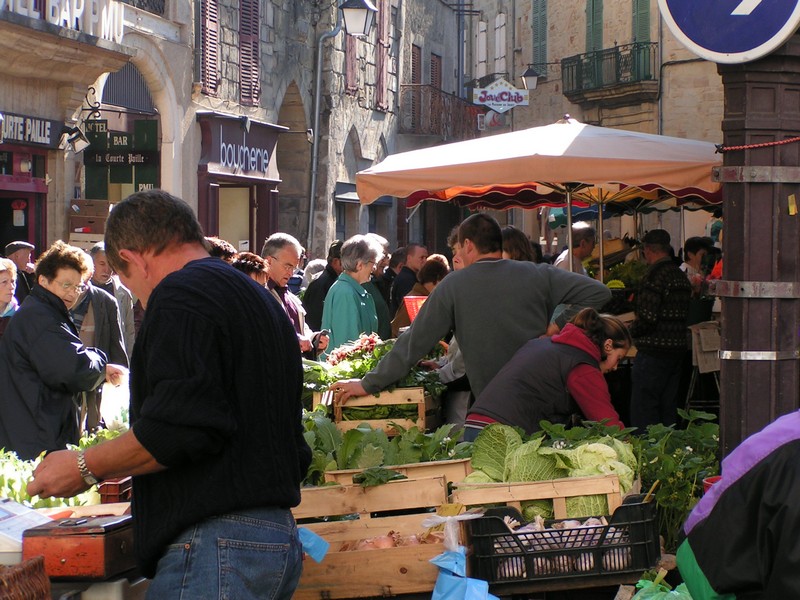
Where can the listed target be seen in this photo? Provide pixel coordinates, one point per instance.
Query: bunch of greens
(631, 273)
(355, 361)
(15, 474)
(380, 411)
(679, 460)
(503, 454)
(364, 447)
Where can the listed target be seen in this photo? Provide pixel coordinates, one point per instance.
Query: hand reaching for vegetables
(347, 388)
(116, 374)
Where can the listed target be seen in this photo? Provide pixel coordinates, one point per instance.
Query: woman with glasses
(349, 309)
(44, 366)
(8, 284)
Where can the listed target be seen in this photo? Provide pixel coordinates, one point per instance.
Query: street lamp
(530, 77)
(358, 16)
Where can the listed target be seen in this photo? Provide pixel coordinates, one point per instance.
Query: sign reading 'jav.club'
(500, 96)
(731, 31)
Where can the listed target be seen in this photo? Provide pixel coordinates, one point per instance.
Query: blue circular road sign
(731, 31)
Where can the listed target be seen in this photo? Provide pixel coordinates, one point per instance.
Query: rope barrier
(721, 149)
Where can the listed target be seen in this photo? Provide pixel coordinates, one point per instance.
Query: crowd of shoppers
(216, 361)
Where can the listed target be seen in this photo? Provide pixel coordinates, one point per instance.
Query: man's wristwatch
(87, 475)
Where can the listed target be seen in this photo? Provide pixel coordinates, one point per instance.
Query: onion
(377, 543)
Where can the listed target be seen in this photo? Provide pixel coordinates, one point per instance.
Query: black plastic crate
(629, 543)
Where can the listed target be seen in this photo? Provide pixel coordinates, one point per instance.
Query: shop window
(341, 220)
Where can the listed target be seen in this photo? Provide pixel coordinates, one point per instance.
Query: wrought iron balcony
(618, 67)
(426, 110)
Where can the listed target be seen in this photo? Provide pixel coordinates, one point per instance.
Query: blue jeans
(247, 555)
(654, 390)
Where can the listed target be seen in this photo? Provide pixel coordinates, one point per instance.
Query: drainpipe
(315, 144)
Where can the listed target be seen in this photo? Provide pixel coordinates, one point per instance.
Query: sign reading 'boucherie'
(235, 146)
(500, 96)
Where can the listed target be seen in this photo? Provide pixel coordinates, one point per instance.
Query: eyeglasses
(273, 261)
(78, 288)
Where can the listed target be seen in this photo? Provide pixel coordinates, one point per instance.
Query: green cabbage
(478, 476)
(526, 463)
(586, 506)
(492, 449)
(543, 508)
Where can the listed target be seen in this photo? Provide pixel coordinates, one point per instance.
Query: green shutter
(594, 25)
(641, 20)
(539, 22)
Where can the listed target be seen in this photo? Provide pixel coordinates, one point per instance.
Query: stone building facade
(57, 70)
(614, 64)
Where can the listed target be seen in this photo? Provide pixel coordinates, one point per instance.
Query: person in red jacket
(553, 378)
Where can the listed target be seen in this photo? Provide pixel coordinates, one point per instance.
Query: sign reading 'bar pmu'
(731, 31)
(101, 18)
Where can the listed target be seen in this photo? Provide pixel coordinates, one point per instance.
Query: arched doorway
(293, 156)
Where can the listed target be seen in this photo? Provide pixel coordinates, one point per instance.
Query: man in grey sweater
(493, 305)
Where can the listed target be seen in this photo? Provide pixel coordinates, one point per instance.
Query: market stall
(561, 164)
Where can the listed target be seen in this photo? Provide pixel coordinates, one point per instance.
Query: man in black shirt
(216, 442)
(416, 255)
(314, 297)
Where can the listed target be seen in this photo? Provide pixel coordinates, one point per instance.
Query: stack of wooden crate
(87, 222)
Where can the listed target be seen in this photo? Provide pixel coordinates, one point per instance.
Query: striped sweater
(662, 305)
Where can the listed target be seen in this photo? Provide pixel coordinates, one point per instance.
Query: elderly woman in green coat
(349, 309)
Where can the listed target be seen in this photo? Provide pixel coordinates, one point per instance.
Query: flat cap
(18, 245)
(335, 250)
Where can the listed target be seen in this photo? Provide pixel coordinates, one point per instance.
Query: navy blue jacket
(44, 367)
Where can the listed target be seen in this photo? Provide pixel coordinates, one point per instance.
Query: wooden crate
(557, 490)
(90, 224)
(403, 396)
(85, 241)
(368, 573)
(453, 470)
(91, 208)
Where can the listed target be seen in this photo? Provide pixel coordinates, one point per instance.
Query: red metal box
(83, 547)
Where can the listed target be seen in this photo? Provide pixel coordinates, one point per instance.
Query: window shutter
(594, 25)
(436, 71)
(210, 55)
(249, 55)
(641, 20)
(382, 76)
(416, 79)
(500, 43)
(540, 36)
(351, 60)
(480, 66)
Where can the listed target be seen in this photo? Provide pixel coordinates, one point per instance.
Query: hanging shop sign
(34, 131)
(238, 146)
(104, 19)
(500, 96)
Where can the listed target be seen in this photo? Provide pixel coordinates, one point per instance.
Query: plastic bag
(651, 590)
